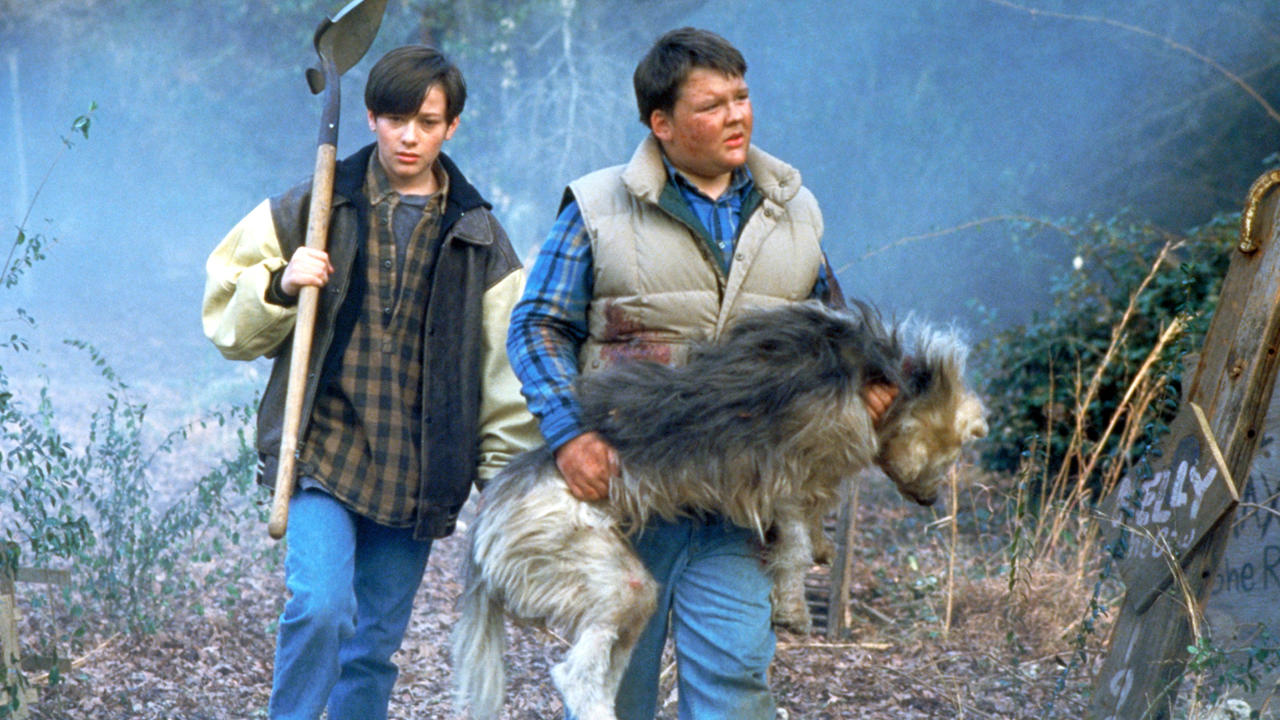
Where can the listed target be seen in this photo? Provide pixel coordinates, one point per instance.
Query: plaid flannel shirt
(363, 444)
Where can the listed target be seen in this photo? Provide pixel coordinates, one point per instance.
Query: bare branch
(1173, 44)
(952, 230)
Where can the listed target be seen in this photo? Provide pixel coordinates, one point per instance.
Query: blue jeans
(352, 584)
(714, 587)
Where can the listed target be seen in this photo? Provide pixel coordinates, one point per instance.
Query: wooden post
(842, 564)
(1233, 383)
(10, 657)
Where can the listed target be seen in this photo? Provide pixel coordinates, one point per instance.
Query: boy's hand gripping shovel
(340, 43)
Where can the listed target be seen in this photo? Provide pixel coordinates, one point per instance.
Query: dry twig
(1170, 42)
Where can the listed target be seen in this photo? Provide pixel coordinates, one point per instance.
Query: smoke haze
(906, 119)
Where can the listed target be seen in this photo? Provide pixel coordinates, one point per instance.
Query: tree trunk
(19, 146)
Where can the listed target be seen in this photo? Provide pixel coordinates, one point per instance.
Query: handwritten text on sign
(1184, 495)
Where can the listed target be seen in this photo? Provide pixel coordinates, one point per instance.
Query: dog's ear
(917, 375)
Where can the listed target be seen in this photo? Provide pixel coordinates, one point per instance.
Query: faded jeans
(713, 585)
(352, 584)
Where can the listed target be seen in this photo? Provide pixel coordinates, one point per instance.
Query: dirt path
(1002, 658)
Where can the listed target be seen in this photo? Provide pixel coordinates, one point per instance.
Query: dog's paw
(581, 702)
(793, 617)
(824, 551)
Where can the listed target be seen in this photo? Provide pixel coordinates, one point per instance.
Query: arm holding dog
(878, 396)
(548, 326)
(587, 462)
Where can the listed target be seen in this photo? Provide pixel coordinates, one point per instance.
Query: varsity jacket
(474, 418)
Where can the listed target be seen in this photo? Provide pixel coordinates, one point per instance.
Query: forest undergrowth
(996, 603)
(940, 628)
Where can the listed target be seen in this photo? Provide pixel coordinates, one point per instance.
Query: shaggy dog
(761, 428)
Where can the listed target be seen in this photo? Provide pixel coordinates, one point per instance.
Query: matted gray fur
(761, 427)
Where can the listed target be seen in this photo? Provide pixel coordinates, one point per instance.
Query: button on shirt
(720, 217)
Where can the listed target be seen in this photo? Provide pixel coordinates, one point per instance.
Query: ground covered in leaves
(938, 631)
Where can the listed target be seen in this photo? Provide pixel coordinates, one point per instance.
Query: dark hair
(400, 80)
(665, 67)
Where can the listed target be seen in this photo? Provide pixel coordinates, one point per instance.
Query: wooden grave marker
(838, 598)
(1232, 383)
(1170, 510)
(1245, 587)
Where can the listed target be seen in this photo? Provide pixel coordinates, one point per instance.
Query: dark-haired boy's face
(408, 145)
(708, 131)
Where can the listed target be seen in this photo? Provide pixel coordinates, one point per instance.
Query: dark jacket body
(475, 254)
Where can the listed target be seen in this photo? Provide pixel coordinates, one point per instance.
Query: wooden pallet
(828, 588)
(11, 661)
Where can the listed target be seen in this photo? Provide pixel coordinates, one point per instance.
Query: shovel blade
(346, 38)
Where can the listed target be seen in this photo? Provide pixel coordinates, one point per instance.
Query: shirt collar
(379, 190)
(739, 181)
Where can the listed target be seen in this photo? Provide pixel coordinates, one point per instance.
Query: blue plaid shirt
(549, 324)
(719, 217)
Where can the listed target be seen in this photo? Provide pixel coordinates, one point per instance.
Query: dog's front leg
(790, 555)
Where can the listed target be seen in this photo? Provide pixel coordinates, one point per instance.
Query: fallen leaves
(217, 665)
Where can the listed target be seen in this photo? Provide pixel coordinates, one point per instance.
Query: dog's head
(936, 415)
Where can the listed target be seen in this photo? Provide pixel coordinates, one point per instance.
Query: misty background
(931, 131)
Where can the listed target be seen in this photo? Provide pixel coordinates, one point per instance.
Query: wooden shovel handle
(303, 331)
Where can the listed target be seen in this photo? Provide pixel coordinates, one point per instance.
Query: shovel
(340, 43)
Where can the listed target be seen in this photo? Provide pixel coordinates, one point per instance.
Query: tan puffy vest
(657, 287)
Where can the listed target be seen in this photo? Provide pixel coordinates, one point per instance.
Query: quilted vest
(658, 289)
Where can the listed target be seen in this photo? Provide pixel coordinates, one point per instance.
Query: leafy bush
(96, 507)
(91, 505)
(1082, 385)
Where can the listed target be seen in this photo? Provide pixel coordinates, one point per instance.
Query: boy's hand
(307, 267)
(878, 397)
(587, 462)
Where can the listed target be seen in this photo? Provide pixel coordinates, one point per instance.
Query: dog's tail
(478, 641)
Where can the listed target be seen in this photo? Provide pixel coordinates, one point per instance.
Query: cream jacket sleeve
(507, 428)
(236, 315)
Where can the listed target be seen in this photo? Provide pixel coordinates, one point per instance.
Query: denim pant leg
(720, 621)
(663, 547)
(320, 612)
(388, 570)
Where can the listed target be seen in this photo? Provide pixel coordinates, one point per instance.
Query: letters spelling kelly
(1160, 500)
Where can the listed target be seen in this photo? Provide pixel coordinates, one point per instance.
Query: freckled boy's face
(408, 145)
(708, 130)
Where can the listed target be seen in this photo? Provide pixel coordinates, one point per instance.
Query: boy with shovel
(409, 399)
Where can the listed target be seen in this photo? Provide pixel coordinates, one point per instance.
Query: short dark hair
(400, 80)
(665, 67)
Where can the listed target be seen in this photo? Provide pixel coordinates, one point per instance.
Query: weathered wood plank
(9, 657)
(1139, 678)
(1232, 383)
(44, 576)
(1176, 507)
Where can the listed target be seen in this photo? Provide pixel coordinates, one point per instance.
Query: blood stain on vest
(626, 339)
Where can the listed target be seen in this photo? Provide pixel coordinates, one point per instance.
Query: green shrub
(88, 502)
(1107, 315)
(138, 562)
